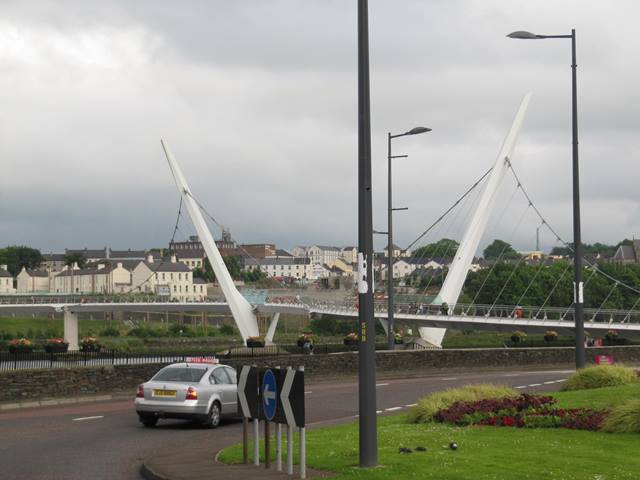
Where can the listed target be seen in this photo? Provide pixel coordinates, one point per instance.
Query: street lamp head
(417, 130)
(522, 35)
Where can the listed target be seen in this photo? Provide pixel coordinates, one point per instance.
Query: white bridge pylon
(459, 269)
(241, 309)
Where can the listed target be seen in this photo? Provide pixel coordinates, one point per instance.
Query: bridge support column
(432, 335)
(272, 327)
(71, 330)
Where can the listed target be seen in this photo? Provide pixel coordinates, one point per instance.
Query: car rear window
(180, 374)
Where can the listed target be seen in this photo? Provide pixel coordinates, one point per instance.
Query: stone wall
(26, 385)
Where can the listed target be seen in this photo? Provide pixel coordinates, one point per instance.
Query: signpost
(273, 395)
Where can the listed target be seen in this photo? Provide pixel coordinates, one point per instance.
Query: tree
(500, 249)
(71, 258)
(17, 256)
(444, 247)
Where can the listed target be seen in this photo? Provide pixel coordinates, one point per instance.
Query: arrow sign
(269, 395)
(292, 398)
(248, 395)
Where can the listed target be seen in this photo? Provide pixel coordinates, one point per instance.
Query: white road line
(511, 375)
(381, 384)
(535, 384)
(521, 386)
(411, 405)
(393, 409)
(378, 411)
(80, 419)
(549, 383)
(448, 378)
(561, 380)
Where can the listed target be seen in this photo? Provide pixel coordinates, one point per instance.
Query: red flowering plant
(54, 345)
(530, 411)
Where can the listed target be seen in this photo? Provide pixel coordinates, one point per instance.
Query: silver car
(199, 391)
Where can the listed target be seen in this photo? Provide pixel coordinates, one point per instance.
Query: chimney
(75, 266)
(119, 265)
(150, 258)
(173, 259)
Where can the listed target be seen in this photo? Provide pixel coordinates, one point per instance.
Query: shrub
(600, 376)
(227, 330)
(428, 406)
(110, 332)
(623, 418)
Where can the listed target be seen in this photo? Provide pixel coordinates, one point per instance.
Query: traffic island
(441, 451)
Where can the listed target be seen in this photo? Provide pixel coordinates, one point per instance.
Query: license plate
(164, 393)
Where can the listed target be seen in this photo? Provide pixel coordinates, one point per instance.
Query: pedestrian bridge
(464, 317)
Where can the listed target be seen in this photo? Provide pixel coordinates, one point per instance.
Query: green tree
(500, 249)
(18, 256)
(71, 258)
(444, 247)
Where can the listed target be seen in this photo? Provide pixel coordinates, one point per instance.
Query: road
(105, 441)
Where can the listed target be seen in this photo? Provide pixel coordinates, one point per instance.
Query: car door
(234, 383)
(225, 389)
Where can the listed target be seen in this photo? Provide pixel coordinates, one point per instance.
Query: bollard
(245, 440)
(303, 445)
(267, 445)
(278, 443)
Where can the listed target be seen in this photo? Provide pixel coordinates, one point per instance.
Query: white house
(397, 252)
(350, 254)
(296, 268)
(166, 277)
(100, 278)
(6, 281)
(33, 281)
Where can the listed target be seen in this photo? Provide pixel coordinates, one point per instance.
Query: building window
(171, 276)
(174, 288)
(163, 276)
(179, 276)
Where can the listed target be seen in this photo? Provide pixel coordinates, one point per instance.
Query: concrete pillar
(71, 330)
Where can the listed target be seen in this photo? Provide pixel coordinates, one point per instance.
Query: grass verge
(499, 453)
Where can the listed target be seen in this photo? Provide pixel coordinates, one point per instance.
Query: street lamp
(390, 306)
(577, 244)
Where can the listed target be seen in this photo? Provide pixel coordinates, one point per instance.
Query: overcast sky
(258, 101)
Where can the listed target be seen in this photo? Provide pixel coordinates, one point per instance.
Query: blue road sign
(269, 395)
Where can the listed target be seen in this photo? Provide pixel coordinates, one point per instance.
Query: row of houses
(166, 277)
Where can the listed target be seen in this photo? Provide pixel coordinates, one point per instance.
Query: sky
(258, 102)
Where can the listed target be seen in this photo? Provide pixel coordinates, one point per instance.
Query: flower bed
(351, 339)
(529, 411)
(255, 342)
(56, 345)
(20, 345)
(90, 344)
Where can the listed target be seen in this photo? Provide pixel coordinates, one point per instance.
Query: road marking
(381, 384)
(308, 392)
(512, 375)
(392, 409)
(411, 405)
(521, 386)
(549, 383)
(378, 411)
(80, 419)
(535, 384)
(449, 378)
(561, 380)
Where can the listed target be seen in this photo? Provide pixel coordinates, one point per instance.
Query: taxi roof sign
(209, 360)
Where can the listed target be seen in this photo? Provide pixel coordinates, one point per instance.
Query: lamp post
(390, 300)
(367, 438)
(577, 243)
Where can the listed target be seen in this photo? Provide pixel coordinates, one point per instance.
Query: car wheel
(149, 420)
(213, 417)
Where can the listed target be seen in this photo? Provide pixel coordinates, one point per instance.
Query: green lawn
(499, 453)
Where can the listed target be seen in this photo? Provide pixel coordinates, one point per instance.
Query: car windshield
(180, 374)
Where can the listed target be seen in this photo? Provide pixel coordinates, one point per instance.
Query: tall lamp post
(391, 341)
(368, 438)
(577, 243)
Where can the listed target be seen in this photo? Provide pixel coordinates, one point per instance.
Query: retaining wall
(26, 385)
